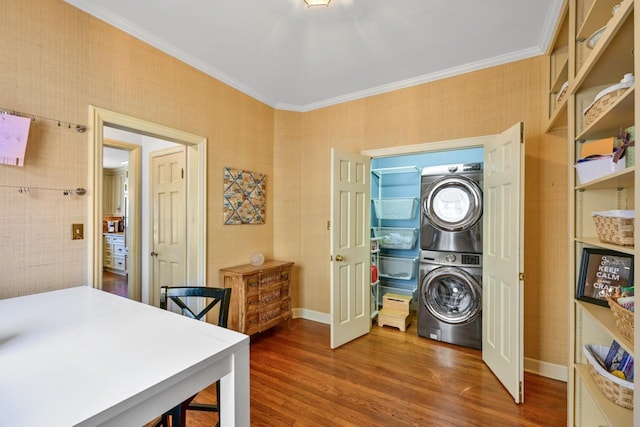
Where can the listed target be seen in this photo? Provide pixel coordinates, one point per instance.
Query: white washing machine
(451, 208)
(450, 298)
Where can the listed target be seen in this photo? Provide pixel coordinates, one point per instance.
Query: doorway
(503, 254)
(196, 146)
(120, 202)
(397, 178)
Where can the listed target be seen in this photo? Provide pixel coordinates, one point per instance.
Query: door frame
(196, 191)
(471, 142)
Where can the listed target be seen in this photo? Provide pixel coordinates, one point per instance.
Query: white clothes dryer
(451, 208)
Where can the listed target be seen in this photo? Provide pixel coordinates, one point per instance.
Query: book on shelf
(618, 359)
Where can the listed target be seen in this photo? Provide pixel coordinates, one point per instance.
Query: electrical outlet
(77, 231)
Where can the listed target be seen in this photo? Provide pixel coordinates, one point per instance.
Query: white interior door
(169, 211)
(503, 259)
(350, 247)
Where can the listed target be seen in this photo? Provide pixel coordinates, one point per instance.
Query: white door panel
(350, 244)
(503, 259)
(169, 225)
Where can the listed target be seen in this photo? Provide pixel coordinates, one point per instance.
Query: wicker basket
(623, 318)
(601, 105)
(615, 389)
(614, 229)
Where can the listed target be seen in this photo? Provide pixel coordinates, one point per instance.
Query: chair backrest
(216, 295)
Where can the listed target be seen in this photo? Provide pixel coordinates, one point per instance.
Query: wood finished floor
(115, 283)
(386, 378)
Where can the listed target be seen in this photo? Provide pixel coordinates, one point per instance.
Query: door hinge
(521, 276)
(329, 225)
(182, 172)
(522, 133)
(520, 392)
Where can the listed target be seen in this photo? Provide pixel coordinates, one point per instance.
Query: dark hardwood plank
(116, 284)
(386, 378)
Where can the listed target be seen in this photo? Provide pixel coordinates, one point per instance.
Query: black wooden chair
(216, 296)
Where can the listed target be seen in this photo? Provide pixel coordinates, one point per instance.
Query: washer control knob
(450, 257)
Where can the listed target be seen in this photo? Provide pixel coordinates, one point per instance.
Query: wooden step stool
(395, 311)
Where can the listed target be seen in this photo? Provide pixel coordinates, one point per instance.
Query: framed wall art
(602, 274)
(244, 197)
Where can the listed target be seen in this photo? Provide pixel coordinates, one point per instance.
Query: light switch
(77, 231)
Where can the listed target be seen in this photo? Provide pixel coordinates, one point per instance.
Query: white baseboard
(316, 316)
(544, 369)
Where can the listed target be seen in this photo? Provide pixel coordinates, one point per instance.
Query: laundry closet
(399, 235)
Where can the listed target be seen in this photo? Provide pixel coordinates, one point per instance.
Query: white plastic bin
(397, 268)
(598, 168)
(399, 208)
(396, 238)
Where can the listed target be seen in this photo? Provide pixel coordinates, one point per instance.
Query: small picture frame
(602, 274)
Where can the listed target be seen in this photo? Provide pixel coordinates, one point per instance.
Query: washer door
(453, 203)
(451, 295)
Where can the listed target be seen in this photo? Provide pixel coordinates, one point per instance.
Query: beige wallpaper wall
(57, 60)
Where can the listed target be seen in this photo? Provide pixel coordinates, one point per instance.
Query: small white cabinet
(114, 191)
(114, 253)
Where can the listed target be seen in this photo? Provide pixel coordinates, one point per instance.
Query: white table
(84, 357)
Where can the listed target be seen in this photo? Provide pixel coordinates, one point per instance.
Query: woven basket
(616, 230)
(601, 105)
(615, 389)
(623, 318)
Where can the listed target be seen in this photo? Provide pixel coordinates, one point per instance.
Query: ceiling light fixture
(317, 3)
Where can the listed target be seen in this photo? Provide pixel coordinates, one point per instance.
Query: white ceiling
(297, 58)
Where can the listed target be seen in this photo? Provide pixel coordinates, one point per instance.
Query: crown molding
(427, 78)
(135, 31)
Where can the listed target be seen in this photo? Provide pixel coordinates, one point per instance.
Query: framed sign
(602, 274)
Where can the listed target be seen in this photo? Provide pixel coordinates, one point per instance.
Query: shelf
(400, 169)
(398, 268)
(623, 179)
(558, 69)
(604, 317)
(595, 242)
(615, 415)
(396, 237)
(558, 119)
(593, 17)
(396, 208)
(561, 78)
(612, 57)
(619, 115)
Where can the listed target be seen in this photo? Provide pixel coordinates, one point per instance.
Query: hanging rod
(65, 191)
(78, 128)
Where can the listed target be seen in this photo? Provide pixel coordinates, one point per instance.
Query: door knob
(155, 254)
(339, 258)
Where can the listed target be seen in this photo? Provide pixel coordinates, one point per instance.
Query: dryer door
(451, 295)
(452, 203)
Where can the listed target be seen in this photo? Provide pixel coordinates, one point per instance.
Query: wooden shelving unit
(589, 71)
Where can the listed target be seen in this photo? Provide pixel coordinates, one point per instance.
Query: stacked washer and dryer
(450, 283)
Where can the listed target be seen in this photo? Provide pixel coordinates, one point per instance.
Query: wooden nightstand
(261, 295)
